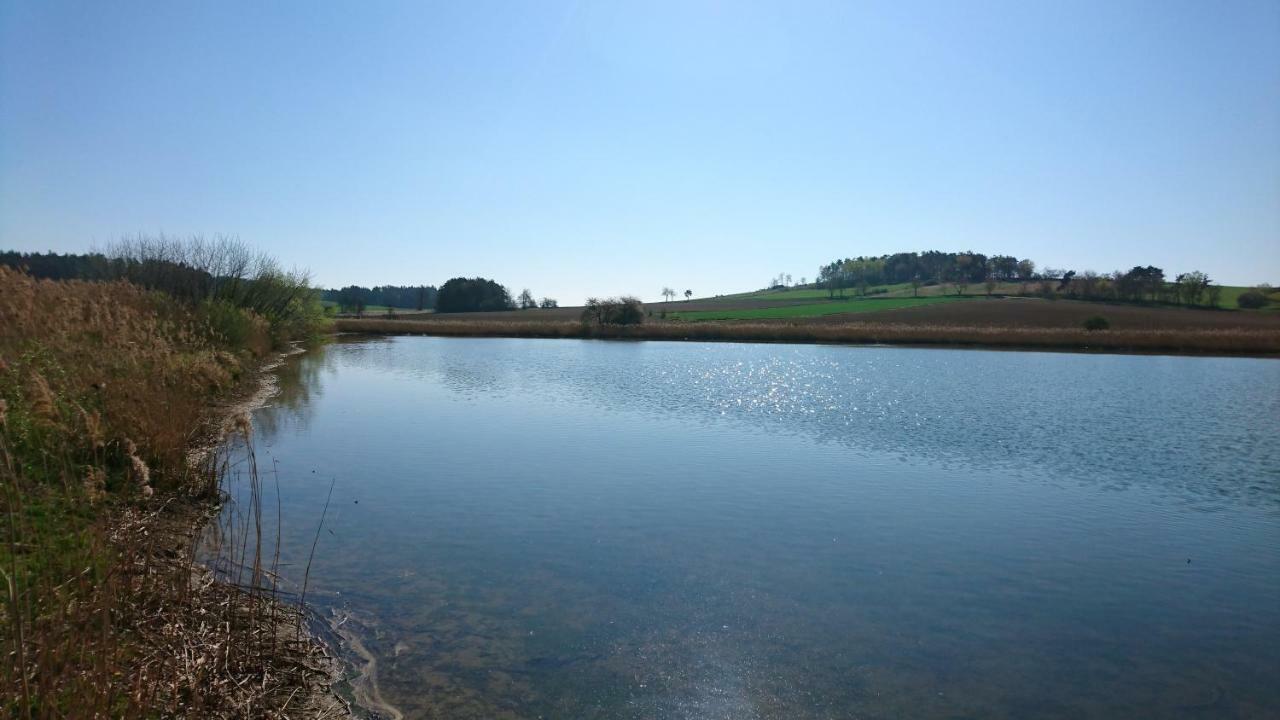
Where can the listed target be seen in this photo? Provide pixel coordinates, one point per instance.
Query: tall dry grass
(103, 388)
(1227, 341)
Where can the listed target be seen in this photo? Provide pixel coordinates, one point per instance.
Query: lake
(591, 529)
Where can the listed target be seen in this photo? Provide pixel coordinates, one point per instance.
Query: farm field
(814, 310)
(374, 309)
(970, 310)
(1015, 322)
(1230, 293)
(1017, 312)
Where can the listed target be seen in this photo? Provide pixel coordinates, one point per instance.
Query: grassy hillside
(809, 310)
(1230, 293)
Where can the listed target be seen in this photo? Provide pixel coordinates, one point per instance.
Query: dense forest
(53, 266)
(354, 298)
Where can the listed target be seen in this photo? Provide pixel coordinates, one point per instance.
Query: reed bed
(1225, 341)
(104, 387)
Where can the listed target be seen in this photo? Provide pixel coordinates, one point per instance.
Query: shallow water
(586, 529)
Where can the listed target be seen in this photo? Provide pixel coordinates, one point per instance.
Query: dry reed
(1226, 341)
(103, 387)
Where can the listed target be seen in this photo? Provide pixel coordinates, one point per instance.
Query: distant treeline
(473, 295)
(52, 266)
(963, 269)
(930, 267)
(354, 298)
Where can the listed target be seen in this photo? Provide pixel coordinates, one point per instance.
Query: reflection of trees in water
(298, 381)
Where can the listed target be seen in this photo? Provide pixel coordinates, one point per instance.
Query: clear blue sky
(602, 148)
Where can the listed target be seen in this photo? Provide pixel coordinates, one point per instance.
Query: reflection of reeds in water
(1245, 341)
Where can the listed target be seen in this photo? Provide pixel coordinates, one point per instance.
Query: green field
(904, 290)
(815, 309)
(1230, 293)
(368, 309)
(808, 293)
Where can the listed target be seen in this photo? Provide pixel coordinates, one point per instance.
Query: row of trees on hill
(927, 268)
(1142, 284)
(961, 270)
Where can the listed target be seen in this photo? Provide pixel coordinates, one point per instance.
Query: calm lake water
(586, 529)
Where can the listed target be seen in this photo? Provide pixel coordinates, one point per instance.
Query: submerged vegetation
(104, 387)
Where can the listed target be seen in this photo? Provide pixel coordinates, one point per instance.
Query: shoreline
(188, 520)
(1225, 342)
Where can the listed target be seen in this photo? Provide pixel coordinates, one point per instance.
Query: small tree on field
(1026, 270)
(668, 293)
(1214, 295)
(991, 284)
(526, 300)
(1191, 286)
(549, 303)
(916, 282)
(688, 294)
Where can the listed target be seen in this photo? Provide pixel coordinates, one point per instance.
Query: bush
(613, 311)
(1252, 299)
(237, 327)
(222, 270)
(1097, 322)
